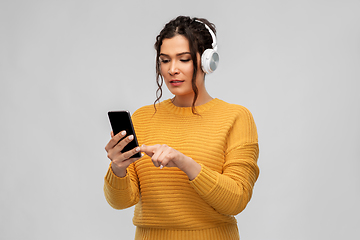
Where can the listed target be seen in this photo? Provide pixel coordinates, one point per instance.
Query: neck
(187, 101)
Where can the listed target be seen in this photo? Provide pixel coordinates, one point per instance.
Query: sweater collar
(186, 111)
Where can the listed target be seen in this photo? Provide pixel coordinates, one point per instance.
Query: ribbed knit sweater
(222, 138)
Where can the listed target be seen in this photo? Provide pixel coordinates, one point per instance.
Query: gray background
(64, 64)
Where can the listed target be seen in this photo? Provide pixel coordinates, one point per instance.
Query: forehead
(174, 45)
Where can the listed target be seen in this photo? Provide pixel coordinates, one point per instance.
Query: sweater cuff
(119, 183)
(205, 181)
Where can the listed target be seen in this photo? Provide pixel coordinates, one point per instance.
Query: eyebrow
(179, 54)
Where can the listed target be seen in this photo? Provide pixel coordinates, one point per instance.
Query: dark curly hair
(199, 40)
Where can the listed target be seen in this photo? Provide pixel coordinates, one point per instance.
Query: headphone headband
(214, 43)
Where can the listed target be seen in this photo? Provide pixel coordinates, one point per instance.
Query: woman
(200, 153)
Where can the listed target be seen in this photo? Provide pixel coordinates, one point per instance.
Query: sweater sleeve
(230, 191)
(121, 193)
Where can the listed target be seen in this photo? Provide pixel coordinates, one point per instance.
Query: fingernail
(131, 137)
(161, 166)
(123, 133)
(137, 149)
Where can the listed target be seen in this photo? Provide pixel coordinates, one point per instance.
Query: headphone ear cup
(209, 60)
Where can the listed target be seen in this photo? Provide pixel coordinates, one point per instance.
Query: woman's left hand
(165, 156)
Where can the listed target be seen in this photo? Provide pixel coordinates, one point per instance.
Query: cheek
(162, 70)
(189, 69)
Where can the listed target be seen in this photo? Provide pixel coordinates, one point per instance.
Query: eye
(185, 60)
(164, 60)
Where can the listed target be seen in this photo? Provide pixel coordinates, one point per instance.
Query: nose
(173, 70)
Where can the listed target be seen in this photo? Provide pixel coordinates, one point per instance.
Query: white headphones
(210, 57)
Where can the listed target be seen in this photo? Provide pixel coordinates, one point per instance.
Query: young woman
(200, 153)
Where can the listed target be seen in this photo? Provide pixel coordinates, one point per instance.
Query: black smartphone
(121, 120)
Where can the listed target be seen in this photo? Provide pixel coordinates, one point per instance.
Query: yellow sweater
(222, 139)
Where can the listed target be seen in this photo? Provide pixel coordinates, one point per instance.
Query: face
(177, 67)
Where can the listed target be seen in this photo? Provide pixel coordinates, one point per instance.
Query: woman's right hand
(120, 161)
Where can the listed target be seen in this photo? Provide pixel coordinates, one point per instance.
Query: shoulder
(235, 110)
(148, 111)
(243, 128)
(143, 113)
(144, 110)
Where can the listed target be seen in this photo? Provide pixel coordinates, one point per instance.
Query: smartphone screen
(121, 120)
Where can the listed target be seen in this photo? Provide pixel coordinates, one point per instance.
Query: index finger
(149, 150)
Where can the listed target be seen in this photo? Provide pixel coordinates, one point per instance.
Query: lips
(176, 82)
